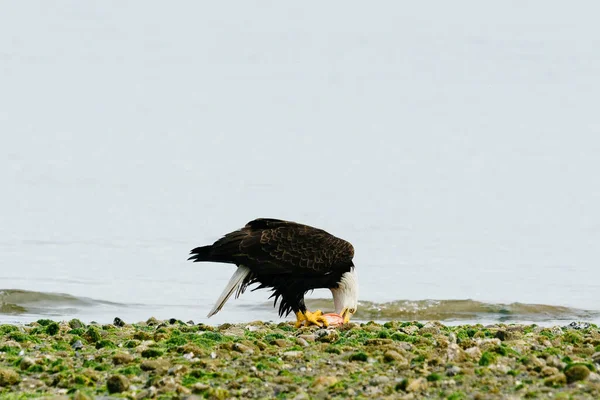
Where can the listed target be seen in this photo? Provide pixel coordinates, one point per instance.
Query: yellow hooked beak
(347, 313)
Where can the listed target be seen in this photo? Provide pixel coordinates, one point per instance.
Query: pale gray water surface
(454, 144)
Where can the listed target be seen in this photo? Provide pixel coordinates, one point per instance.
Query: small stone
(556, 380)
(378, 342)
(554, 361)
(26, 362)
(160, 366)
(8, 377)
(118, 322)
(549, 371)
(593, 377)
(77, 345)
(122, 358)
(76, 324)
(200, 387)
(152, 321)
(455, 353)
(431, 328)
(453, 370)
(327, 335)
(177, 370)
(393, 355)
(473, 352)
(324, 381)
(117, 384)
(79, 395)
(280, 342)
(302, 342)
(379, 380)
(146, 393)
(290, 355)
(506, 334)
(308, 338)
(417, 385)
(576, 372)
(242, 348)
(410, 329)
(596, 357)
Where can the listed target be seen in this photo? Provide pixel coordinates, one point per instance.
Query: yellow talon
(311, 318)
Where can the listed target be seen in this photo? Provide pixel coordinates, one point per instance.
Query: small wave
(18, 302)
(460, 310)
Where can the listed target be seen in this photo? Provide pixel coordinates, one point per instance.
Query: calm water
(456, 149)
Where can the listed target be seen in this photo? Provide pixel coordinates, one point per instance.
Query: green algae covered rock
(171, 359)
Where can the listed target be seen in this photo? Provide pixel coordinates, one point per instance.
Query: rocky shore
(405, 360)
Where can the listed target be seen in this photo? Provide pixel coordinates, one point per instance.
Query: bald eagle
(290, 259)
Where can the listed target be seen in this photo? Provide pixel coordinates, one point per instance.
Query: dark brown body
(288, 257)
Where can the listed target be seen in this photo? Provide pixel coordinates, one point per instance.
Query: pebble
(453, 370)
(577, 372)
(289, 355)
(416, 385)
(117, 384)
(242, 348)
(9, 377)
(122, 358)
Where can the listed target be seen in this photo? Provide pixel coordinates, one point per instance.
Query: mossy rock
(8, 377)
(576, 372)
(117, 384)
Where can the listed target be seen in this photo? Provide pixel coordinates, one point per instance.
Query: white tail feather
(234, 284)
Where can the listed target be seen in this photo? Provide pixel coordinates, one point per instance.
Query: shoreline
(273, 360)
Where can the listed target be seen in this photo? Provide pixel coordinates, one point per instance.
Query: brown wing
(277, 246)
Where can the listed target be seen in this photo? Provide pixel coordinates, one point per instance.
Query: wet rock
(117, 384)
(122, 358)
(8, 377)
(118, 322)
(576, 372)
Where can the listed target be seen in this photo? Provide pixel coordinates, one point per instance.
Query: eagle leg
(310, 318)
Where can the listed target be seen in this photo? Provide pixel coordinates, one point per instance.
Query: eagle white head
(345, 296)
